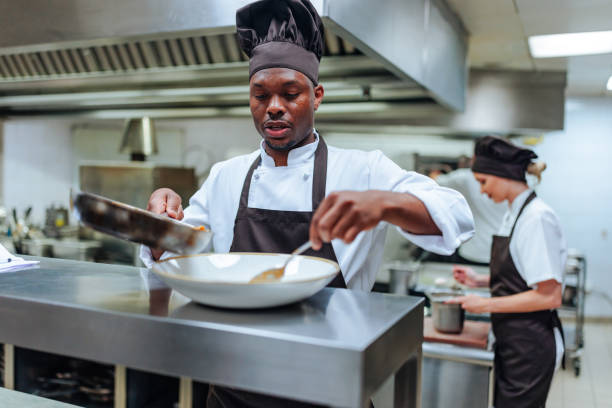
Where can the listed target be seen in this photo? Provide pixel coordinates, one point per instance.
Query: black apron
(260, 230)
(525, 347)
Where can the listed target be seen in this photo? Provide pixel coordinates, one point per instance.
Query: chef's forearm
(529, 301)
(409, 213)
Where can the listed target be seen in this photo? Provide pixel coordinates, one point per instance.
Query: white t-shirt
(215, 204)
(487, 214)
(537, 247)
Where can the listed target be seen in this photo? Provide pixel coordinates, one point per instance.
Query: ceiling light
(565, 45)
(609, 86)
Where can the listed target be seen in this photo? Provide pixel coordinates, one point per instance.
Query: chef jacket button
(256, 176)
(306, 176)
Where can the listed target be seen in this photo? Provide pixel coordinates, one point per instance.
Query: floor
(593, 388)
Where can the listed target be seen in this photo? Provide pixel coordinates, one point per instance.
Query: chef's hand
(466, 276)
(343, 215)
(165, 201)
(473, 303)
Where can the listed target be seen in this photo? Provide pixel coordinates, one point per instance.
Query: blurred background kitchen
(120, 100)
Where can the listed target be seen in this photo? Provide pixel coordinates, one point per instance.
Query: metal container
(447, 317)
(83, 250)
(401, 276)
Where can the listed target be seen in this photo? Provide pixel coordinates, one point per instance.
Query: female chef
(527, 260)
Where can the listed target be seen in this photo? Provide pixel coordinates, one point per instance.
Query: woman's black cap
(499, 157)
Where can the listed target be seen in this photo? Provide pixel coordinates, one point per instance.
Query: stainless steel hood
(76, 56)
(392, 63)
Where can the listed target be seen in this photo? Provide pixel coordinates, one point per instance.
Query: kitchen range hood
(185, 52)
(397, 62)
(139, 139)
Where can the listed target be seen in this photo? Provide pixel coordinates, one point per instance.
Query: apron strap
(529, 199)
(556, 322)
(319, 177)
(244, 196)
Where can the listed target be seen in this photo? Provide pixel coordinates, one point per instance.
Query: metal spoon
(276, 274)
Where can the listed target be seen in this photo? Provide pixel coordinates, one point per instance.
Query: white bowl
(222, 279)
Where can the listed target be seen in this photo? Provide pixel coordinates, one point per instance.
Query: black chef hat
(499, 157)
(281, 34)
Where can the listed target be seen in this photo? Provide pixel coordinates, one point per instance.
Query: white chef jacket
(289, 188)
(538, 246)
(488, 215)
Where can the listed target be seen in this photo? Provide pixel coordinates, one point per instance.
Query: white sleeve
(196, 214)
(539, 249)
(145, 256)
(454, 180)
(448, 209)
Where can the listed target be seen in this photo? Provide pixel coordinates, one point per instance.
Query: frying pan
(134, 224)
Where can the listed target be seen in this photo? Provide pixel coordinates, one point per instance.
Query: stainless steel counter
(335, 348)
(456, 376)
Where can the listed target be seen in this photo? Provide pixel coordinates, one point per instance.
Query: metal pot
(401, 276)
(447, 318)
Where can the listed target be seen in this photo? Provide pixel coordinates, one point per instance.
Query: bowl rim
(187, 278)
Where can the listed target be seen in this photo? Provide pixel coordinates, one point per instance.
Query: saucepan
(134, 224)
(447, 317)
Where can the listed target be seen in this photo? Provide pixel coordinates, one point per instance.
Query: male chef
(295, 187)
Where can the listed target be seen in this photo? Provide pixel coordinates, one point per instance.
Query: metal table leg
(185, 393)
(120, 386)
(407, 390)
(9, 366)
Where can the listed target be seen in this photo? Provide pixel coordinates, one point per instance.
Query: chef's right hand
(166, 201)
(466, 276)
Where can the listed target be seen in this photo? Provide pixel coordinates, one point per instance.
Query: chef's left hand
(344, 214)
(473, 303)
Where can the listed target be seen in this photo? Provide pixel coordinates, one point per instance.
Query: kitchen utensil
(134, 224)
(447, 317)
(276, 274)
(401, 275)
(222, 280)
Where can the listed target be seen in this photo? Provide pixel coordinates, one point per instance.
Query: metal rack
(572, 308)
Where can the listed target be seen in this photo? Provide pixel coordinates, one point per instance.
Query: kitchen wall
(40, 156)
(212, 140)
(37, 165)
(577, 185)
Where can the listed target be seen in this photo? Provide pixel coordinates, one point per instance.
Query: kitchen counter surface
(474, 334)
(336, 347)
